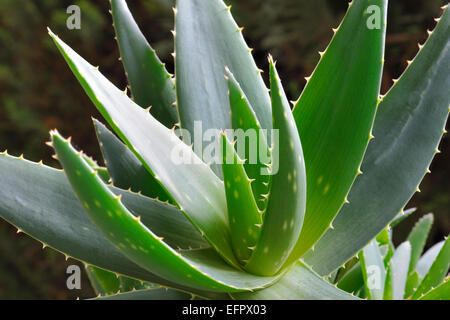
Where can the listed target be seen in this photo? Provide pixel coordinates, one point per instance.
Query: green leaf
(373, 270)
(408, 127)
(442, 292)
(353, 280)
(258, 157)
(207, 39)
(283, 218)
(245, 218)
(436, 274)
(40, 202)
(197, 191)
(150, 82)
(103, 282)
(126, 170)
(401, 216)
(200, 269)
(418, 238)
(299, 283)
(398, 271)
(411, 284)
(151, 294)
(128, 284)
(335, 114)
(384, 239)
(426, 261)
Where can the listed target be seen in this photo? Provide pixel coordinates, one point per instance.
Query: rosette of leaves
(149, 227)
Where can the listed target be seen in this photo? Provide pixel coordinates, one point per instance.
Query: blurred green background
(38, 92)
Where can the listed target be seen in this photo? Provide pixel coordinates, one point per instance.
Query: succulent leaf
(402, 215)
(151, 294)
(197, 191)
(206, 40)
(151, 84)
(408, 127)
(257, 154)
(103, 282)
(426, 261)
(199, 269)
(283, 218)
(353, 280)
(244, 216)
(299, 283)
(417, 238)
(398, 272)
(437, 272)
(125, 169)
(441, 292)
(373, 270)
(334, 115)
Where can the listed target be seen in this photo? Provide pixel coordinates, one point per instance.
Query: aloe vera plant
(317, 198)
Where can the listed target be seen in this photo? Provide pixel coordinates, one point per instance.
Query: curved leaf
(125, 169)
(151, 294)
(373, 270)
(418, 238)
(335, 113)
(196, 190)
(299, 283)
(283, 218)
(256, 151)
(436, 274)
(398, 271)
(441, 292)
(408, 127)
(204, 270)
(150, 82)
(245, 218)
(206, 40)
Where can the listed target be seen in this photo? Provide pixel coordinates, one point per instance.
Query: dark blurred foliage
(38, 93)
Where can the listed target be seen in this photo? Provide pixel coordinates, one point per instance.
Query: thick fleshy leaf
(426, 261)
(402, 216)
(398, 271)
(244, 216)
(437, 272)
(40, 202)
(207, 40)
(418, 238)
(442, 292)
(125, 169)
(200, 269)
(299, 283)
(151, 294)
(335, 113)
(283, 218)
(244, 121)
(103, 282)
(373, 270)
(408, 127)
(384, 239)
(149, 80)
(411, 284)
(192, 185)
(353, 280)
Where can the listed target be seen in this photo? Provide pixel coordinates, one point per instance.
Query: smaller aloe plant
(277, 227)
(382, 271)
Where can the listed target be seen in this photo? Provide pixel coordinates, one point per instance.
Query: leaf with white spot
(199, 269)
(151, 84)
(243, 213)
(197, 191)
(283, 218)
(256, 152)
